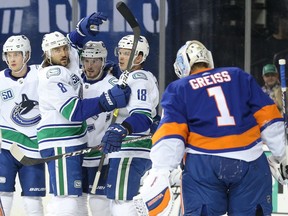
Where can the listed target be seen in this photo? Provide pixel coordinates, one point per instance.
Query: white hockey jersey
(98, 124)
(59, 91)
(19, 114)
(144, 99)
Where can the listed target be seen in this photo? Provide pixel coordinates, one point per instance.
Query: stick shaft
(129, 17)
(28, 161)
(282, 63)
(98, 174)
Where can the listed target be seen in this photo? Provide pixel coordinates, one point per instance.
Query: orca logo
(23, 108)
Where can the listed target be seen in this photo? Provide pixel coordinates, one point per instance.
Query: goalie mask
(127, 43)
(53, 40)
(189, 54)
(18, 43)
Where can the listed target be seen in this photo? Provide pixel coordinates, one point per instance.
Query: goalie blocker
(156, 197)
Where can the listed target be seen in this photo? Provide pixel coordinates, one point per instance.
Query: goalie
(219, 118)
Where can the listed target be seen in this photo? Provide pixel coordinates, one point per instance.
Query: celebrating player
(63, 125)
(220, 117)
(95, 81)
(19, 116)
(129, 162)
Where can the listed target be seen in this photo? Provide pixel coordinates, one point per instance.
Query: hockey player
(19, 116)
(63, 125)
(95, 81)
(129, 162)
(220, 117)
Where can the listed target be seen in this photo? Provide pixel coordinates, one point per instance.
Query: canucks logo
(139, 75)
(21, 113)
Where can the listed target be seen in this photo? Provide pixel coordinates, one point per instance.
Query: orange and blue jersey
(221, 111)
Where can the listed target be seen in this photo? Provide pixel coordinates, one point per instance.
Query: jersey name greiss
(210, 79)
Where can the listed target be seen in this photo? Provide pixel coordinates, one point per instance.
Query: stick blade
(127, 14)
(20, 156)
(16, 152)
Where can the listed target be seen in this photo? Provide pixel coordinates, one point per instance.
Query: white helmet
(53, 40)
(189, 54)
(18, 43)
(143, 46)
(94, 49)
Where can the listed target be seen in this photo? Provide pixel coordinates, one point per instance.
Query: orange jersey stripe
(225, 142)
(266, 114)
(170, 129)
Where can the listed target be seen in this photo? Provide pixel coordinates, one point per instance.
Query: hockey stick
(101, 163)
(282, 63)
(28, 161)
(129, 17)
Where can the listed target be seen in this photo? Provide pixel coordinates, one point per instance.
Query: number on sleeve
(62, 87)
(142, 94)
(225, 118)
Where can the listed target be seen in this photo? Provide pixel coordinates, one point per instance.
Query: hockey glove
(116, 97)
(112, 139)
(112, 68)
(155, 196)
(278, 170)
(90, 25)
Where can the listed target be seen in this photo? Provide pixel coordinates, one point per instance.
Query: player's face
(92, 67)
(60, 55)
(123, 57)
(15, 60)
(270, 79)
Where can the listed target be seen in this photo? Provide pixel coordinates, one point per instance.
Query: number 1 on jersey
(225, 119)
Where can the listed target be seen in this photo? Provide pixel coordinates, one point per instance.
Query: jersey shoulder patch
(139, 75)
(113, 81)
(53, 72)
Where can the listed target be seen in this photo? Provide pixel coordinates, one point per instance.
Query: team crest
(21, 113)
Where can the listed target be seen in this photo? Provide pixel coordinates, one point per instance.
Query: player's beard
(64, 62)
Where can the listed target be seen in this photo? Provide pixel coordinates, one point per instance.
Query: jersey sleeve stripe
(266, 114)
(168, 129)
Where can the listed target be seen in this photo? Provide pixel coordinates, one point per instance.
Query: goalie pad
(276, 170)
(155, 198)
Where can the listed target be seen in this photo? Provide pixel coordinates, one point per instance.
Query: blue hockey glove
(90, 25)
(113, 137)
(112, 68)
(116, 97)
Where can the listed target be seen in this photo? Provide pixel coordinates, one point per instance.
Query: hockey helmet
(127, 43)
(189, 54)
(18, 43)
(94, 49)
(53, 40)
